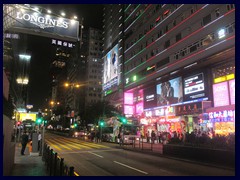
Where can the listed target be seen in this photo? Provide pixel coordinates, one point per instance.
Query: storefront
(222, 119)
(222, 115)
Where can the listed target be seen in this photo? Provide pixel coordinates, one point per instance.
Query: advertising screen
(150, 98)
(40, 24)
(170, 92)
(128, 98)
(194, 87)
(232, 91)
(220, 94)
(111, 69)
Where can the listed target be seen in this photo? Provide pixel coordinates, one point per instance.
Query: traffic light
(39, 120)
(75, 124)
(123, 120)
(101, 123)
(45, 122)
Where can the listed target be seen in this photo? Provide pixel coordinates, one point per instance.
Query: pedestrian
(98, 136)
(24, 142)
(159, 136)
(148, 136)
(153, 136)
(39, 140)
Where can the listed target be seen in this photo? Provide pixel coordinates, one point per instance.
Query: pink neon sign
(128, 98)
(139, 108)
(220, 94)
(232, 91)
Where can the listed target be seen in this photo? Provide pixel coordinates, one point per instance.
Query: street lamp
(72, 85)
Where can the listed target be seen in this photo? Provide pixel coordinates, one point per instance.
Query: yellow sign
(24, 116)
(224, 78)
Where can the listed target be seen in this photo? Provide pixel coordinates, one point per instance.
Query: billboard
(170, 92)
(232, 91)
(220, 94)
(194, 87)
(111, 69)
(150, 98)
(36, 23)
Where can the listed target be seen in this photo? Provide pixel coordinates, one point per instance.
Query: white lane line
(131, 167)
(96, 154)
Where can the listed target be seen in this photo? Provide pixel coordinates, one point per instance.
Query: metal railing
(55, 164)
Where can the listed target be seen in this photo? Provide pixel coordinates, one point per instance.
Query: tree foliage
(98, 110)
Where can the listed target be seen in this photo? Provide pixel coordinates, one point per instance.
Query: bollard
(50, 162)
(61, 167)
(47, 157)
(152, 145)
(71, 171)
(55, 164)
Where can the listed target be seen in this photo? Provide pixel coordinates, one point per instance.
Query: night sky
(40, 81)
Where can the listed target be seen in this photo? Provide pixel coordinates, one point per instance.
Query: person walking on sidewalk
(24, 142)
(39, 140)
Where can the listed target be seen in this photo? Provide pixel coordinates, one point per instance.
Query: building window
(178, 37)
(230, 6)
(207, 19)
(217, 12)
(167, 44)
(174, 23)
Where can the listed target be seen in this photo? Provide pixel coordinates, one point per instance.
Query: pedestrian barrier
(55, 164)
(140, 144)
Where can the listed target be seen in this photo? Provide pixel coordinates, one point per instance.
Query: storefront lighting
(22, 81)
(25, 57)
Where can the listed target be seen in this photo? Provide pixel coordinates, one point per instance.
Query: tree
(98, 110)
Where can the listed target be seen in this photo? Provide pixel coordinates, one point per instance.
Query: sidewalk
(27, 165)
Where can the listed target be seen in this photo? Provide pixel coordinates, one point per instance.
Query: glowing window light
(221, 33)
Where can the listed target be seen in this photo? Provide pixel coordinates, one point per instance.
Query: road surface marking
(67, 152)
(131, 167)
(95, 154)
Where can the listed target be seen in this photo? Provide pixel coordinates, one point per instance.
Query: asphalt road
(107, 159)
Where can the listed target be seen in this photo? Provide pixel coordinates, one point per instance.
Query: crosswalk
(68, 144)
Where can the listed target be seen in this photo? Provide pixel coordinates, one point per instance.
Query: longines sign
(30, 22)
(41, 21)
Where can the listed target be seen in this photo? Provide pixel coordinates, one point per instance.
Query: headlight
(76, 133)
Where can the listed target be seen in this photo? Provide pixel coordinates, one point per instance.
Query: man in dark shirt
(24, 142)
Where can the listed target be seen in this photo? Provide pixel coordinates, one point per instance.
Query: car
(79, 134)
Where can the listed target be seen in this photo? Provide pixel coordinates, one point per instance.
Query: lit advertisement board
(170, 92)
(194, 87)
(25, 116)
(232, 91)
(150, 97)
(36, 23)
(129, 110)
(111, 69)
(220, 94)
(128, 98)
